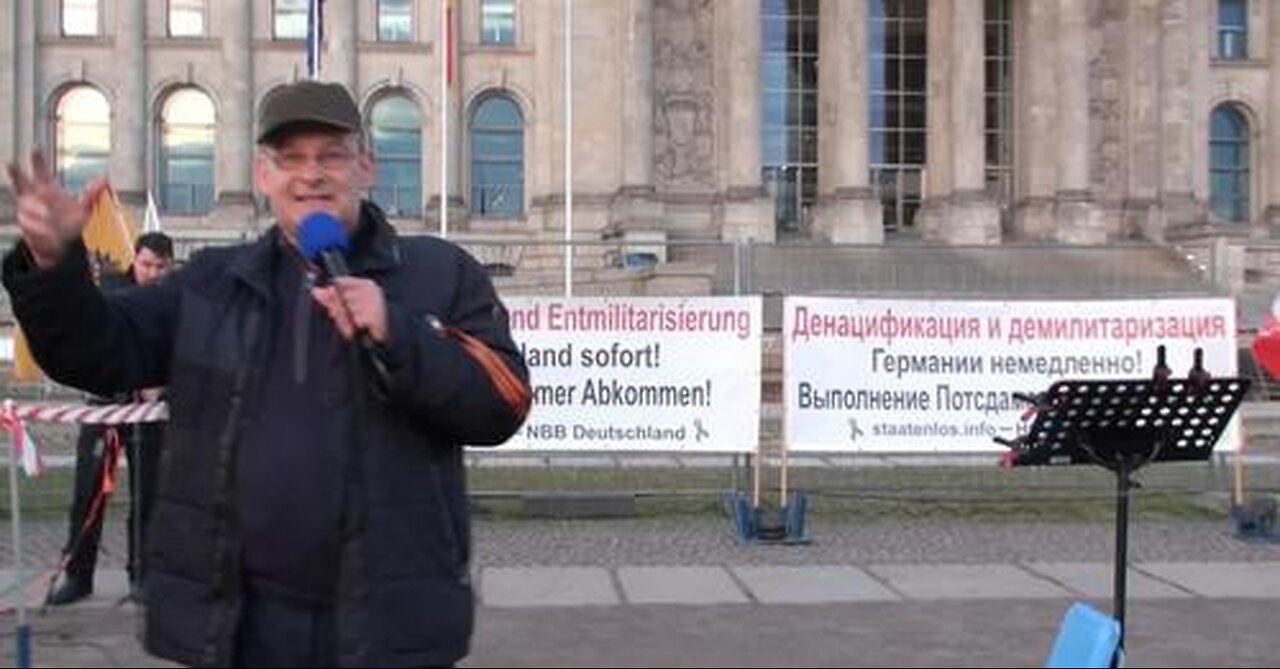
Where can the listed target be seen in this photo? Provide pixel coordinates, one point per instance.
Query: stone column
(341, 40)
(9, 17)
(1177, 184)
(1079, 221)
(132, 107)
(931, 216)
(748, 212)
(27, 81)
(234, 143)
(962, 212)
(635, 206)
(1035, 25)
(1271, 148)
(1261, 16)
(1200, 15)
(847, 209)
(544, 127)
(17, 45)
(11, 76)
(1141, 209)
(967, 96)
(975, 216)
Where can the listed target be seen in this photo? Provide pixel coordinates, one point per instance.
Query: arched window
(1229, 164)
(186, 152)
(395, 128)
(497, 158)
(82, 136)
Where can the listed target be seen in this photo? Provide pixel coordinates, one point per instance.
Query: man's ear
(260, 173)
(368, 169)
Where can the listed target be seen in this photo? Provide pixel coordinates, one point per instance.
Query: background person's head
(152, 257)
(311, 155)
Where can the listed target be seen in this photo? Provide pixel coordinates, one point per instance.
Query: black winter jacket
(404, 591)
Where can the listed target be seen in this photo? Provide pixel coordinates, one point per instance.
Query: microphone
(323, 240)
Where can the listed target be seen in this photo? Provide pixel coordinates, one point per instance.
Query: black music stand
(1123, 425)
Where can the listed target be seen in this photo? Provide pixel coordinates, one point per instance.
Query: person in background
(312, 507)
(152, 259)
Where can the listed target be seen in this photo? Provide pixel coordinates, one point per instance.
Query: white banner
(917, 376)
(643, 373)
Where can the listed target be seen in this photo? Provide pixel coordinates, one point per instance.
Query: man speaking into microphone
(322, 382)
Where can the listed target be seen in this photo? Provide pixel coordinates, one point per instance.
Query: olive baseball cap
(306, 102)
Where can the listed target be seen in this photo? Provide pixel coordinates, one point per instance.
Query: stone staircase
(994, 272)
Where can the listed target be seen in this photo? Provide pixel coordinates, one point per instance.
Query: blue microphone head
(320, 231)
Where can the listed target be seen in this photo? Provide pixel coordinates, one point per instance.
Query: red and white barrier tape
(100, 414)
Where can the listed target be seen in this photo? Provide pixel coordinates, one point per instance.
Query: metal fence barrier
(660, 265)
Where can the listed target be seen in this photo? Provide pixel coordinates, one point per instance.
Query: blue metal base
(22, 647)
(754, 525)
(1256, 520)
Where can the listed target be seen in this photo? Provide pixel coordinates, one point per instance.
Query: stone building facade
(966, 122)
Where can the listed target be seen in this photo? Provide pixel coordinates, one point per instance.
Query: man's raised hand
(49, 216)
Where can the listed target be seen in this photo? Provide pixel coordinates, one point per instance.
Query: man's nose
(312, 170)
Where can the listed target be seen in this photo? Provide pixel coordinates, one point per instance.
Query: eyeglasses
(330, 160)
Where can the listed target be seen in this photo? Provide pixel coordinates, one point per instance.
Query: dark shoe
(72, 590)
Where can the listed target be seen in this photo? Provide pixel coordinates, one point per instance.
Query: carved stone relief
(683, 94)
(1106, 101)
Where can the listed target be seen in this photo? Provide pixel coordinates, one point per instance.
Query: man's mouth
(313, 199)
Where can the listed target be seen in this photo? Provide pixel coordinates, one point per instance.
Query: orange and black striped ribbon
(513, 390)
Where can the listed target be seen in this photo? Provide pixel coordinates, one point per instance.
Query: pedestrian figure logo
(854, 430)
(699, 432)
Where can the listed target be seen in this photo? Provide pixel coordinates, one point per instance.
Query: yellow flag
(25, 369)
(109, 236)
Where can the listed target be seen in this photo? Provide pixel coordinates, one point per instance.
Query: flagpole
(22, 636)
(568, 148)
(315, 37)
(446, 17)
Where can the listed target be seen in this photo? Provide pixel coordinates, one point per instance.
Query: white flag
(151, 222)
(32, 463)
(24, 447)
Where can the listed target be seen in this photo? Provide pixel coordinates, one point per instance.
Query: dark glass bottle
(1198, 377)
(1161, 374)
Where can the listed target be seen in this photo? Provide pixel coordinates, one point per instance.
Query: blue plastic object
(1087, 638)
